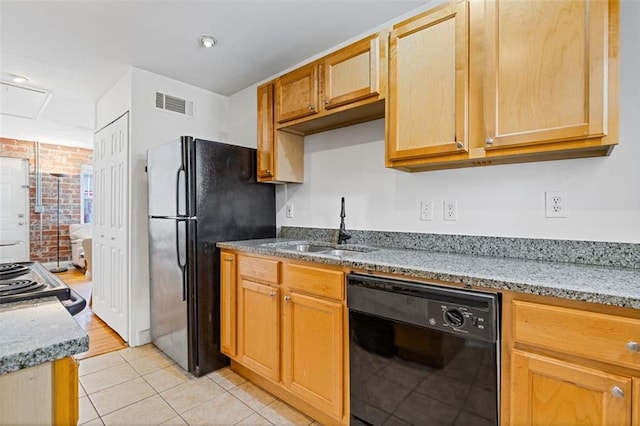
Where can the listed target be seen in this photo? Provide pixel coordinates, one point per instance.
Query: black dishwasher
(422, 354)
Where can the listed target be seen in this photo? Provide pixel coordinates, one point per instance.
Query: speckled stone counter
(37, 331)
(607, 285)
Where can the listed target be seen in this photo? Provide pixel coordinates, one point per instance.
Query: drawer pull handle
(617, 392)
(228, 259)
(272, 293)
(633, 346)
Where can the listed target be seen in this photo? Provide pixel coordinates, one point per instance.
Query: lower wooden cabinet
(313, 360)
(45, 394)
(569, 363)
(259, 328)
(288, 328)
(552, 392)
(228, 293)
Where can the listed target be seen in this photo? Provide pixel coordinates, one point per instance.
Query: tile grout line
(126, 361)
(158, 393)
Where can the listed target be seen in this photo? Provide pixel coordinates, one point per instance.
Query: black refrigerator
(200, 193)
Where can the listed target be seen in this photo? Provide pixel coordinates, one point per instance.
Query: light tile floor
(141, 386)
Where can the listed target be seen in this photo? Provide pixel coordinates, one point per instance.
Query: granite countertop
(616, 286)
(37, 331)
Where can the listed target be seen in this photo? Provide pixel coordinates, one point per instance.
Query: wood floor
(102, 339)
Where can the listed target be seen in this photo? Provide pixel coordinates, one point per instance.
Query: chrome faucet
(343, 235)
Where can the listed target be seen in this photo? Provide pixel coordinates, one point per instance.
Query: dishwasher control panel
(459, 319)
(467, 313)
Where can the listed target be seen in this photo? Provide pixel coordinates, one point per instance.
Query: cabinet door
(266, 135)
(352, 73)
(297, 94)
(546, 391)
(428, 81)
(545, 71)
(228, 309)
(313, 356)
(259, 328)
(635, 408)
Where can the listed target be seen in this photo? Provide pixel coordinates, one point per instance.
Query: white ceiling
(78, 49)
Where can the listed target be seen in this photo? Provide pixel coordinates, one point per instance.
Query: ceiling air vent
(174, 104)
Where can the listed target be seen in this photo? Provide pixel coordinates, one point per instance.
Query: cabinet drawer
(591, 335)
(315, 280)
(260, 269)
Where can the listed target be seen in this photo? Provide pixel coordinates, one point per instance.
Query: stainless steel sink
(309, 248)
(342, 252)
(327, 250)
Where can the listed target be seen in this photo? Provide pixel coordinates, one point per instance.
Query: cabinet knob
(272, 293)
(617, 392)
(268, 171)
(228, 259)
(326, 102)
(489, 141)
(312, 107)
(633, 346)
(287, 298)
(459, 145)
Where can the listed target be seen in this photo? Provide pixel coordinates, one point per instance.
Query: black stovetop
(29, 280)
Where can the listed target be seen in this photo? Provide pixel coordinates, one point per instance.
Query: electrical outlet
(450, 210)
(289, 210)
(426, 210)
(555, 204)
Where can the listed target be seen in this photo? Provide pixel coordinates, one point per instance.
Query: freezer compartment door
(168, 275)
(167, 175)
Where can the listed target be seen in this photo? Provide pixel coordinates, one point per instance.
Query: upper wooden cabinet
(297, 94)
(280, 153)
(539, 82)
(343, 88)
(545, 75)
(336, 90)
(266, 132)
(428, 84)
(351, 74)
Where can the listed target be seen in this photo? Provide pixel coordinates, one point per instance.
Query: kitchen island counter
(37, 331)
(615, 286)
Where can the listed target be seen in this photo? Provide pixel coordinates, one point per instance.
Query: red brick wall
(53, 159)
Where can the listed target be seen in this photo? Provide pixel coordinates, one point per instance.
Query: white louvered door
(110, 238)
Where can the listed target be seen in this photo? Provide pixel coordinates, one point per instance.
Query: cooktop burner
(12, 270)
(34, 282)
(19, 286)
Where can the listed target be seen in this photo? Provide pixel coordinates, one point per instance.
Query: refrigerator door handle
(181, 255)
(180, 186)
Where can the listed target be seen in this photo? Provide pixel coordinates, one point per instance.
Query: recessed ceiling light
(208, 41)
(18, 78)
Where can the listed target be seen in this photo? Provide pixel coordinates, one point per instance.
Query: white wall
(603, 193)
(150, 127)
(115, 102)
